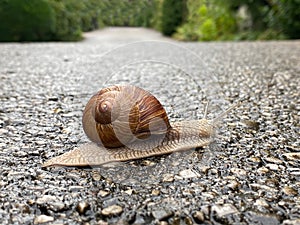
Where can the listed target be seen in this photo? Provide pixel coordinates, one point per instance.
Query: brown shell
(119, 115)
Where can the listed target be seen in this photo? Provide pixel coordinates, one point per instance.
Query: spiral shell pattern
(119, 115)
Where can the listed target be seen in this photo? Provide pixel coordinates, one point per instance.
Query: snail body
(126, 123)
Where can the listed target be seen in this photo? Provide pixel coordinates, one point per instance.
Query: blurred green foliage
(207, 20)
(26, 20)
(284, 16)
(192, 20)
(65, 20)
(131, 13)
(241, 20)
(173, 13)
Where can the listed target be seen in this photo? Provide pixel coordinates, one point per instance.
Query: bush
(284, 16)
(26, 20)
(206, 21)
(276, 19)
(91, 18)
(172, 15)
(68, 20)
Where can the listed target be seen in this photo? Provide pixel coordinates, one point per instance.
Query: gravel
(250, 174)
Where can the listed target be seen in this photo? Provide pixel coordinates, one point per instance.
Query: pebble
(294, 156)
(289, 191)
(155, 192)
(82, 207)
(261, 202)
(199, 216)
(273, 160)
(263, 170)
(129, 191)
(251, 217)
(251, 124)
(168, 178)
(75, 188)
(272, 166)
(188, 173)
(46, 199)
(43, 219)
(255, 160)
(112, 210)
(291, 222)
(161, 214)
(103, 193)
(96, 176)
(57, 206)
(41, 142)
(224, 210)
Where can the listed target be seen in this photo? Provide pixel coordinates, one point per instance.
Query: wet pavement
(250, 174)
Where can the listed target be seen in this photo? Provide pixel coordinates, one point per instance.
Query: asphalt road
(250, 174)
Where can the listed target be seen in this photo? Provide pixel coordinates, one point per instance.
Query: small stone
(147, 163)
(291, 222)
(112, 210)
(101, 222)
(57, 110)
(163, 223)
(46, 199)
(162, 214)
(294, 156)
(251, 124)
(129, 191)
(273, 160)
(261, 202)
(263, 170)
(40, 142)
(96, 176)
(75, 188)
(255, 160)
(43, 219)
(199, 216)
(82, 207)
(57, 206)
(289, 191)
(168, 178)
(258, 218)
(272, 166)
(224, 210)
(155, 192)
(71, 114)
(213, 171)
(188, 173)
(67, 130)
(103, 193)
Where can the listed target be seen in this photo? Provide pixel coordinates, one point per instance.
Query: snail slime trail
(126, 123)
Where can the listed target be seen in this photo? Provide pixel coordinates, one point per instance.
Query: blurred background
(186, 20)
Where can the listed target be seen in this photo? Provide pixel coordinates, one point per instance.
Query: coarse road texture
(250, 174)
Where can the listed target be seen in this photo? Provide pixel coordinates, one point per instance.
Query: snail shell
(118, 115)
(127, 122)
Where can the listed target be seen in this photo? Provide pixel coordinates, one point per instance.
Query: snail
(126, 123)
